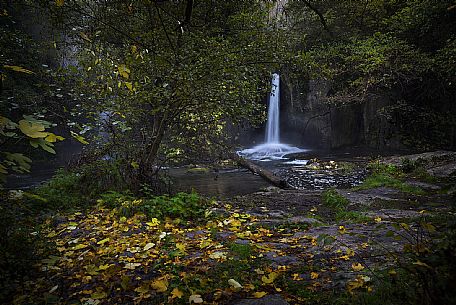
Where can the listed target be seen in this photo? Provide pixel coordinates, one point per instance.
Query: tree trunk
(262, 172)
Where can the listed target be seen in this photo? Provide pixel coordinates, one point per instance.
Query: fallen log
(261, 171)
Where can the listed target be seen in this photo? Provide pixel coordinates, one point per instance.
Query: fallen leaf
(131, 266)
(98, 295)
(195, 298)
(314, 275)
(101, 242)
(420, 263)
(176, 293)
(148, 246)
(259, 294)
(357, 267)
(218, 255)
(233, 283)
(160, 285)
(80, 246)
(270, 278)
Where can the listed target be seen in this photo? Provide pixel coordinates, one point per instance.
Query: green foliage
(22, 244)
(334, 200)
(78, 188)
(339, 204)
(388, 176)
(63, 192)
(241, 251)
(30, 130)
(402, 50)
(170, 91)
(182, 206)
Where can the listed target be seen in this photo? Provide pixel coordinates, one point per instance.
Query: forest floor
(362, 245)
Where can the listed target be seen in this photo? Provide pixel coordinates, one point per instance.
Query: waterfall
(272, 126)
(272, 149)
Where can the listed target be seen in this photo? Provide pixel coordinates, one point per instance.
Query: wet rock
(277, 214)
(267, 300)
(280, 260)
(220, 212)
(392, 214)
(443, 171)
(366, 197)
(304, 220)
(242, 241)
(440, 164)
(423, 185)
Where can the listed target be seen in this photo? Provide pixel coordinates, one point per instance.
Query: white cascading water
(272, 149)
(272, 125)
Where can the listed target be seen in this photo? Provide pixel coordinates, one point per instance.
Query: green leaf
(53, 138)
(32, 129)
(17, 69)
(23, 162)
(80, 139)
(124, 71)
(47, 146)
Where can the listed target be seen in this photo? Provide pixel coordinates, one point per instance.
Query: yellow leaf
(160, 285)
(270, 278)
(101, 242)
(131, 266)
(357, 267)
(17, 69)
(104, 267)
(378, 219)
(143, 289)
(32, 129)
(79, 138)
(195, 298)
(355, 284)
(124, 71)
(129, 85)
(233, 283)
(59, 2)
(148, 246)
(176, 293)
(420, 263)
(153, 223)
(53, 138)
(79, 247)
(314, 275)
(218, 255)
(342, 230)
(259, 294)
(405, 226)
(180, 247)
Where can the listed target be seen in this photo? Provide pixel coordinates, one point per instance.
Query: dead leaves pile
(103, 259)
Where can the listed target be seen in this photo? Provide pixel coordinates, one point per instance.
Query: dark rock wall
(308, 121)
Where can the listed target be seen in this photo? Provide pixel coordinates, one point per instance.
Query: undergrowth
(388, 176)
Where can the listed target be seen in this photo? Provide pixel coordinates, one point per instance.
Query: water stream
(272, 149)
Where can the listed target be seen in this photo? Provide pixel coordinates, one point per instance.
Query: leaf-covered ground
(390, 240)
(105, 258)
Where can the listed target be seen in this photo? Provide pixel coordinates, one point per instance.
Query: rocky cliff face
(310, 121)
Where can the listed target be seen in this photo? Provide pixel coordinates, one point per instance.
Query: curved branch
(320, 16)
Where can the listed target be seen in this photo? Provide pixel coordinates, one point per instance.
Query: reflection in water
(225, 183)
